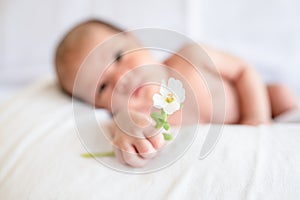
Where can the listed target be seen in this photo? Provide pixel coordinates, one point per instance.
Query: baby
(247, 99)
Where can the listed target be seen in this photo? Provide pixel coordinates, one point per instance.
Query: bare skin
(248, 100)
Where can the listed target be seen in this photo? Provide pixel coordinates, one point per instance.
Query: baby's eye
(118, 56)
(102, 87)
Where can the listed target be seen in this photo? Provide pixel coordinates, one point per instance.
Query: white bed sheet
(40, 159)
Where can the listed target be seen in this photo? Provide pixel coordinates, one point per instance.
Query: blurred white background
(265, 33)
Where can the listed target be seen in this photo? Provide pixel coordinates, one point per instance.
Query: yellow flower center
(170, 98)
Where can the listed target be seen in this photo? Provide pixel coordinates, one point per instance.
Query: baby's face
(111, 76)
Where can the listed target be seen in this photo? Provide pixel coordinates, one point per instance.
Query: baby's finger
(119, 155)
(157, 141)
(145, 148)
(151, 131)
(132, 158)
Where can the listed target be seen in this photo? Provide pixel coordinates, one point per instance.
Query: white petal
(181, 95)
(172, 107)
(176, 87)
(164, 90)
(158, 101)
(174, 84)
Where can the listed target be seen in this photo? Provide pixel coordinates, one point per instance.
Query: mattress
(40, 158)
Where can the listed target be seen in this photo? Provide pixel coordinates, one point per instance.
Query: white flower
(170, 97)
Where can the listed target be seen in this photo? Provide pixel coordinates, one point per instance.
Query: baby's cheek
(103, 102)
(98, 103)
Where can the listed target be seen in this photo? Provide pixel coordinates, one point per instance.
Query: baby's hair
(102, 22)
(64, 47)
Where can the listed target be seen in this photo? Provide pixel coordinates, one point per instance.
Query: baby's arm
(254, 102)
(133, 144)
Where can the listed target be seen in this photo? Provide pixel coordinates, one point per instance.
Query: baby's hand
(135, 140)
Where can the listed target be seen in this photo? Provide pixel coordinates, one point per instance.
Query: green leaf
(161, 119)
(101, 154)
(156, 116)
(167, 136)
(166, 126)
(159, 124)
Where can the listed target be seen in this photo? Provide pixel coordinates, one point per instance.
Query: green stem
(161, 121)
(101, 154)
(164, 115)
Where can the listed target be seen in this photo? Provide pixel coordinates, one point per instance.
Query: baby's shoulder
(186, 55)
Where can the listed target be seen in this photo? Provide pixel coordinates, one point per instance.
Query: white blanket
(40, 159)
